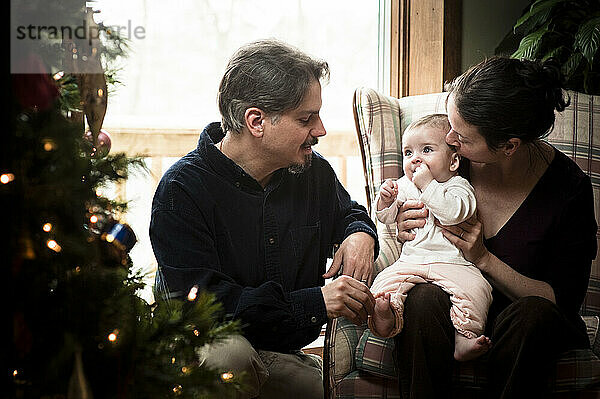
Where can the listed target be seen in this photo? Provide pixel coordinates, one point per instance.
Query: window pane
(173, 71)
(179, 50)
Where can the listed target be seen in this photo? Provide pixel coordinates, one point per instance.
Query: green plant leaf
(571, 65)
(539, 12)
(553, 53)
(530, 44)
(587, 39)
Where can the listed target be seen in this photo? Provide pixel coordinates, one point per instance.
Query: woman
(533, 237)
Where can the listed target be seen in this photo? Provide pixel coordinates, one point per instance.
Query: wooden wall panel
(426, 45)
(178, 142)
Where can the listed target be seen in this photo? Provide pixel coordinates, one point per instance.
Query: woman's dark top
(551, 237)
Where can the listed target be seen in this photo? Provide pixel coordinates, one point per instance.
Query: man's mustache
(311, 141)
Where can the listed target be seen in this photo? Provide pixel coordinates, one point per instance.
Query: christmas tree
(78, 328)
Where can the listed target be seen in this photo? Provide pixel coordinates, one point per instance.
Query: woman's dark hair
(267, 74)
(508, 98)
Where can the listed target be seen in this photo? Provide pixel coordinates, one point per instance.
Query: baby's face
(427, 145)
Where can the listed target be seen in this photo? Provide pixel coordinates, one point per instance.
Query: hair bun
(553, 84)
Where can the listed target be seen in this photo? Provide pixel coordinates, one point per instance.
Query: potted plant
(566, 30)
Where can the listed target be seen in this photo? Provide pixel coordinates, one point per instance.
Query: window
(171, 76)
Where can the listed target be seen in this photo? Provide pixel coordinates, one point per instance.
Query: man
(252, 215)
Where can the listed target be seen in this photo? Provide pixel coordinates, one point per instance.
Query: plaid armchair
(358, 364)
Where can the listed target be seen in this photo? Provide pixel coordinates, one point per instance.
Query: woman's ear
(511, 146)
(454, 162)
(255, 119)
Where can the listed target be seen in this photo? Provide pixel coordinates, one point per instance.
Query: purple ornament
(101, 148)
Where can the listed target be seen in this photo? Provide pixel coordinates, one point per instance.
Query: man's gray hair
(269, 75)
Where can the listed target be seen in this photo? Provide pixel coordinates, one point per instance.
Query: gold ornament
(86, 65)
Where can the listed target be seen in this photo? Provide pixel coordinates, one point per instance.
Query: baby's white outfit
(431, 258)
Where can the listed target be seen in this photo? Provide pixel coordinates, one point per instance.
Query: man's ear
(255, 119)
(511, 146)
(454, 162)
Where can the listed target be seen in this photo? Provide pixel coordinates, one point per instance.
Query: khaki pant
(268, 375)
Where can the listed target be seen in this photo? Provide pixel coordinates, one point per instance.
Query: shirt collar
(224, 166)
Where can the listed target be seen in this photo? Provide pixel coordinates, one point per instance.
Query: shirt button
(313, 319)
(271, 241)
(237, 184)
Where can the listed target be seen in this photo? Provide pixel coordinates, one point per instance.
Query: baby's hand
(422, 177)
(387, 194)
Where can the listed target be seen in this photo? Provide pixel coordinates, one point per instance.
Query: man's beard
(297, 168)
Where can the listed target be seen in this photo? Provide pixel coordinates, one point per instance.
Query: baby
(430, 175)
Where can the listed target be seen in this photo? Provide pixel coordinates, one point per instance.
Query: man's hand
(348, 297)
(355, 258)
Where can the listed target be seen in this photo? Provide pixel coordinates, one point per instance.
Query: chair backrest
(380, 121)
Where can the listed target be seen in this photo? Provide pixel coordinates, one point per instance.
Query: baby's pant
(470, 293)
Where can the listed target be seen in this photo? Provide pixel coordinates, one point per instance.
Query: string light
(58, 75)
(177, 389)
(185, 370)
(94, 219)
(192, 294)
(77, 269)
(110, 238)
(15, 372)
(7, 178)
(100, 92)
(112, 337)
(227, 376)
(47, 227)
(173, 360)
(49, 145)
(196, 333)
(53, 245)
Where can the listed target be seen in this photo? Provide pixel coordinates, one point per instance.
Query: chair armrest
(592, 324)
(341, 335)
(389, 247)
(341, 340)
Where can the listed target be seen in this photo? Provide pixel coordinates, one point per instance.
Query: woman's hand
(411, 215)
(468, 237)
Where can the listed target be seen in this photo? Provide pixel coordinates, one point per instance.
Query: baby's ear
(454, 162)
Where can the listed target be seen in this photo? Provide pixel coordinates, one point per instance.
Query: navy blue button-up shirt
(261, 251)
